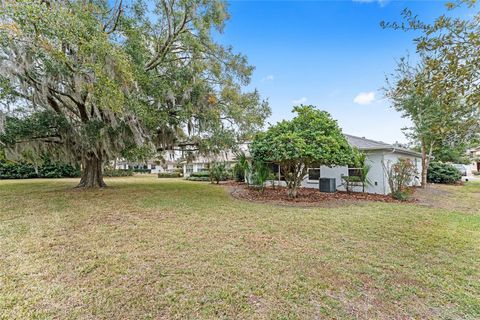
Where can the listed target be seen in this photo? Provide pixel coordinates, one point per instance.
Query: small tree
(260, 175)
(311, 137)
(218, 172)
(399, 177)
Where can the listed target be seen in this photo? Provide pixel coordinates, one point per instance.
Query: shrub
(261, 173)
(117, 173)
(218, 172)
(399, 177)
(205, 179)
(238, 173)
(439, 172)
(142, 170)
(23, 170)
(169, 174)
(200, 174)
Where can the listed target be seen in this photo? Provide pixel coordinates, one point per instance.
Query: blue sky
(332, 54)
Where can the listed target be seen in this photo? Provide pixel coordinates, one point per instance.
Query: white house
(168, 163)
(201, 163)
(474, 155)
(378, 153)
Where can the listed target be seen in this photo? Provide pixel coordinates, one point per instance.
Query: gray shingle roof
(367, 144)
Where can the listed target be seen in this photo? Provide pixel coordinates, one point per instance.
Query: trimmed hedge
(439, 172)
(204, 179)
(142, 170)
(23, 170)
(169, 174)
(117, 173)
(200, 174)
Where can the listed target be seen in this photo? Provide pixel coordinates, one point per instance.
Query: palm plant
(261, 173)
(244, 164)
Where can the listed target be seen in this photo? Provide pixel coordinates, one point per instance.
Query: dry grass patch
(146, 248)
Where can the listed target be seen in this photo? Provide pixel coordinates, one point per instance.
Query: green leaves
(128, 78)
(311, 137)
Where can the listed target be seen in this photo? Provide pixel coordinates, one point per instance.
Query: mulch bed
(306, 196)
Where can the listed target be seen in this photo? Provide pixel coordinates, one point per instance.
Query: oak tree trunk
(92, 175)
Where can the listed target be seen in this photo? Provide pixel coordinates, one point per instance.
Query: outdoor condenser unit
(327, 185)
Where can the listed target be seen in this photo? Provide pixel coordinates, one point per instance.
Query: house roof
(372, 145)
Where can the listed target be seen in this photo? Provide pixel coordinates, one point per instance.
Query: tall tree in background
(441, 95)
(437, 119)
(110, 79)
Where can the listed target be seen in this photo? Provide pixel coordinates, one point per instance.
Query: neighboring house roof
(372, 145)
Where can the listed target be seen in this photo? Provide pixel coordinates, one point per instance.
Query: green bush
(190, 178)
(439, 172)
(200, 174)
(117, 173)
(238, 173)
(169, 174)
(23, 170)
(142, 170)
(218, 172)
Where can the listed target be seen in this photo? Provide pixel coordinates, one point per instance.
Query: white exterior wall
(376, 174)
(391, 158)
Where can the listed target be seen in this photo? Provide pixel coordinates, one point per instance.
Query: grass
(148, 248)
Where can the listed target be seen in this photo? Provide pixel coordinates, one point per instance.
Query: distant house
(168, 163)
(378, 153)
(202, 163)
(474, 155)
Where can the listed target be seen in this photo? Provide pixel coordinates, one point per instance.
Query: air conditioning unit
(327, 185)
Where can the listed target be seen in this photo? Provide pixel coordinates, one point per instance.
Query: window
(354, 172)
(153, 167)
(314, 174)
(274, 169)
(189, 168)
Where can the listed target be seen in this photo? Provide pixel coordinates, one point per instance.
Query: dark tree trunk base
(92, 176)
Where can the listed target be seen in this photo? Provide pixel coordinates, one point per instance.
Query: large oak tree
(110, 79)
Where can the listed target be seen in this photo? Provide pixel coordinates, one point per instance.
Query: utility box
(328, 185)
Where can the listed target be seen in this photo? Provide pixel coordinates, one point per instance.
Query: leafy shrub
(169, 174)
(261, 173)
(205, 179)
(399, 177)
(23, 170)
(142, 170)
(238, 173)
(218, 172)
(56, 170)
(439, 172)
(200, 174)
(117, 173)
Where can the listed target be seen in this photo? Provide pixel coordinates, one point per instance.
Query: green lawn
(148, 248)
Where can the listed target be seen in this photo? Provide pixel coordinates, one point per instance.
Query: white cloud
(270, 77)
(364, 98)
(300, 101)
(380, 2)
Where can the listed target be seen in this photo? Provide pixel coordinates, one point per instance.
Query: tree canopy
(440, 94)
(112, 79)
(311, 137)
